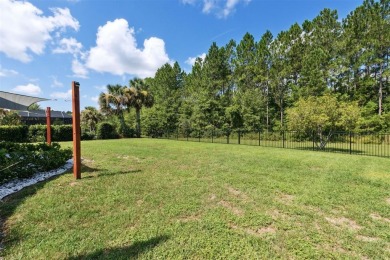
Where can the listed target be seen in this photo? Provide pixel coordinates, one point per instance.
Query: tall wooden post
(48, 126)
(76, 129)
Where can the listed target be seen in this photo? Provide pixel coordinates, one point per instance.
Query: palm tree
(139, 96)
(114, 102)
(34, 106)
(90, 116)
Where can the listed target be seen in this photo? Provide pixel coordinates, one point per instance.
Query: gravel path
(18, 184)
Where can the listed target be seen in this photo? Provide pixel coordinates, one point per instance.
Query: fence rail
(371, 144)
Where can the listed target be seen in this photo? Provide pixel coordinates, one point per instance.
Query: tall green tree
(367, 36)
(138, 96)
(262, 71)
(114, 102)
(167, 89)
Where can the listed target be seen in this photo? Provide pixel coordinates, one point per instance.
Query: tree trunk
(281, 113)
(122, 122)
(138, 114)
(380, 92)
(267, 108)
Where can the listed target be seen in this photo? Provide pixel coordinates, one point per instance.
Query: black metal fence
(372, 144)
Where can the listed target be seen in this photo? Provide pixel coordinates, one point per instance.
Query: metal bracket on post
(76, 129)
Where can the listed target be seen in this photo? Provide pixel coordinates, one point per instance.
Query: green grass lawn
(148, 198)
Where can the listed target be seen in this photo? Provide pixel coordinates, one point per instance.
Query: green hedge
(35, 133)
(17, 134)
(59, 133)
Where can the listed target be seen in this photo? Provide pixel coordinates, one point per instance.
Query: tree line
(324, 74)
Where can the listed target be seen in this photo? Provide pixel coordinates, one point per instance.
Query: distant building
(36, 117)
(20, 103)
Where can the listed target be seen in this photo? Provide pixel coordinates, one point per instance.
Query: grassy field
(164, 199)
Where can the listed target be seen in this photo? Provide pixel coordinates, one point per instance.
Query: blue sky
(45, 45)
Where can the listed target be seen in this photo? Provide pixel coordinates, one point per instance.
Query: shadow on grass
(127, 252)
(102, 172)
(330, 150)
(87, 169)
(108, 173)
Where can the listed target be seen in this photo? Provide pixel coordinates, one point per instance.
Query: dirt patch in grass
(140, 202)
(188, 218)
(212, 197)
(376, 216)
(276, 214)
(367, 239)
(85, 160)
(286, 198)
(388, 201)
(260, 232)
(332, 248)
(73, 183)
(344, 222)
(227, 205)
(238, 193)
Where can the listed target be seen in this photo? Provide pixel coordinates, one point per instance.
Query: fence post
(283, 132)
(312, 136)
(350, 142)
(212, 135)
(177, 134)
(259, 137)
(227, 138)
(239, 137)
(199, 136)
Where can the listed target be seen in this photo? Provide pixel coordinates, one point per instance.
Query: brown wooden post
(76, 130)
(48, 126)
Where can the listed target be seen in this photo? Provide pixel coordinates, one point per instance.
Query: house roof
(42, 113)
(16, 101)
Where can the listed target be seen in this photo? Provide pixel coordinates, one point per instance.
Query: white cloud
(208, 5)
(79, 70)
(56, 83)
(7, 73)
(188, 1)
(29, 89)
(221, 8)
(25, 30)
(191, 60)
(95, 99)
(116, 51)
(62, 95)
(69, 45)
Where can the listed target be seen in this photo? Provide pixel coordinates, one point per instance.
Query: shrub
(61, 133)
(24, 160)
(14, 133)
(88, 136)
(37, 133)
(106, 131)
(128, 132)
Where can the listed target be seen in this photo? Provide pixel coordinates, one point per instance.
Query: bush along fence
(372, 144)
